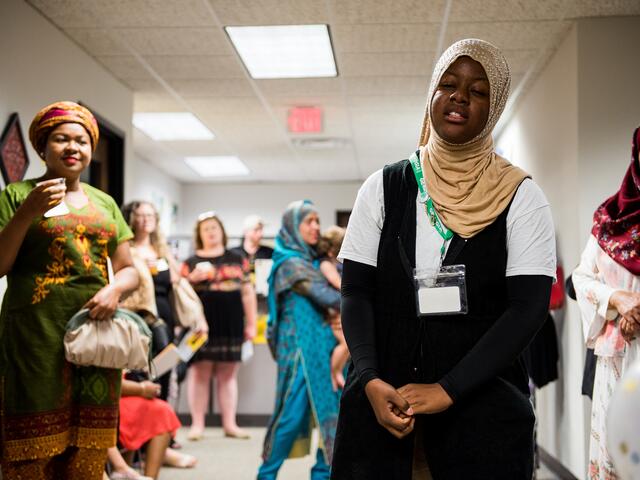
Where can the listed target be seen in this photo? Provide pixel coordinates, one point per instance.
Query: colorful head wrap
(56, 114)
(616, 223)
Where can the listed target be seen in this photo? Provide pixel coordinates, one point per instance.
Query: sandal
(195, 434)
(130, 475)
(239, 434)
(179, 460)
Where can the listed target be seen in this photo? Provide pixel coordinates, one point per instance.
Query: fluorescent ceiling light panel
(217, 166)
(172, 126)
(285, 51)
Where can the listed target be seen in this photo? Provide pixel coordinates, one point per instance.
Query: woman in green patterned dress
(56, 419)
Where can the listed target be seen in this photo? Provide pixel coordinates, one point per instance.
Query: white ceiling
(175, 56)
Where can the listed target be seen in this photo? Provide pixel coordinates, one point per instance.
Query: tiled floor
(227, 459)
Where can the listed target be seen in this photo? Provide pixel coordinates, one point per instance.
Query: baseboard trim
(214, 420)
(554, 465)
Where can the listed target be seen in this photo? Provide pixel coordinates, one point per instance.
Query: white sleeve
(531, 242)
(592, 294)
(365, 224)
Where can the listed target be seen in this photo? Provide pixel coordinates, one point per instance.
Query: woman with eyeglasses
(155, 262)
(221, 279)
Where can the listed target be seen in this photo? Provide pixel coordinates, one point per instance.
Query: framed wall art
(13, 153)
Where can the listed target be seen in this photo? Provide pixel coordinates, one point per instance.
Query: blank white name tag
(162, 265)
(439, 300)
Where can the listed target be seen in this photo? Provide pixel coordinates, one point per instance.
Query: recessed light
(172, 126)
(285, 51)
(217, 166)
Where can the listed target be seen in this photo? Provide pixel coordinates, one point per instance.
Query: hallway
(225, 459)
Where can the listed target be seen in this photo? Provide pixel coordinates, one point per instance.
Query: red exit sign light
(305, 120)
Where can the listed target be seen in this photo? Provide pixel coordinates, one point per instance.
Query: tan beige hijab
(470, 184)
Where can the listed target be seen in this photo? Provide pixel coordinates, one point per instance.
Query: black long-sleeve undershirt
(528, 301)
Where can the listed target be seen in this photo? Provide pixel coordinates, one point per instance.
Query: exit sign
(305, 120)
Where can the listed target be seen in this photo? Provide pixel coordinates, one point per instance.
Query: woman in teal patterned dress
(302, 341)
(56, 419)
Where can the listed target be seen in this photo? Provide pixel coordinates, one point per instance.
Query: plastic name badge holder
(441, 292)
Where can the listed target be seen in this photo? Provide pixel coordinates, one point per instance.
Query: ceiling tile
(383, 64)
(506, 35)
(176, 41)
(520, 61)
(237, 87)
(408, 85)
(70, 13)
(145, 85)
(126, 13)
(504, 10)
(300, 86)
(387, 11)
(388, 102)
(230, 105)
(307, 101)
(97, 41)
(270, 12)
(599, 8)
(156, 102)
(385, 38)
(172, 67)
(124, 67)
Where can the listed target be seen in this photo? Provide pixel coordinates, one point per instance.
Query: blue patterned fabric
(298, 333)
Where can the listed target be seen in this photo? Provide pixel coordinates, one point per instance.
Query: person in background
(149, 422)
(607, 285)
(328, 250)
(58, 419)
(302, 341)
(149, 246)
(250, 247)
(221, 279)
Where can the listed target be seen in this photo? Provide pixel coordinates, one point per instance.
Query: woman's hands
(339, 358)
(198, 275)
(426, 397)
(149, 390)
(103, 304)
(392, 411)
(250, 331)
(628, 329)
(43, 197)
(628, 306)
(395, 409)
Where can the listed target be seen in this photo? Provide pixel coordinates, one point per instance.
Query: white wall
(234, 202)
(542, 138)
(155, 186)
(572, 132)
(608, 95)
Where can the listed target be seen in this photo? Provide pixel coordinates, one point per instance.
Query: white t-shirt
(531, 245)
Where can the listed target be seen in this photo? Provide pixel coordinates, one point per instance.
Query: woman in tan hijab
(448, 259)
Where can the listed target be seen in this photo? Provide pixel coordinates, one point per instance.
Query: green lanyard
(434, 220)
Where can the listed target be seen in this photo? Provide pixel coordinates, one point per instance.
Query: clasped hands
(628, 306)
(395, 410)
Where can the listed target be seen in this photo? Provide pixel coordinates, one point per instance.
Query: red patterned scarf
(616, 223)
